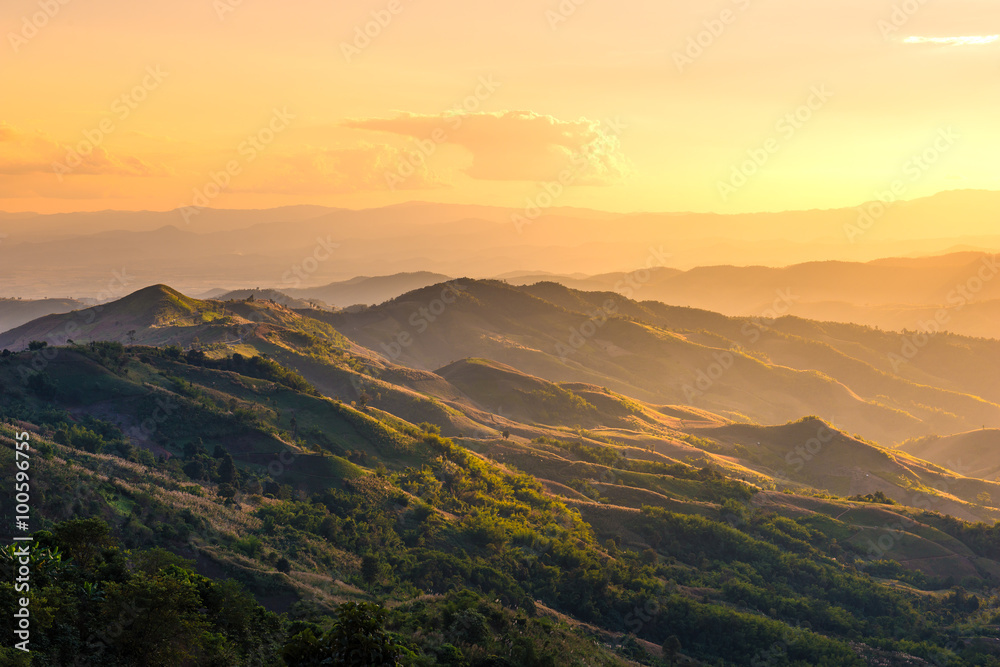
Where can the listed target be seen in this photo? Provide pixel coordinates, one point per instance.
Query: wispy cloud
(517, 145)
(970, 40)
(34, 153)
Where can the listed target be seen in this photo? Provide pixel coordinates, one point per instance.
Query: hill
(368, 290)
(762, 370)
(15, 312)
(451, 530)
(894, 294)
(262, 294)
(974, 453)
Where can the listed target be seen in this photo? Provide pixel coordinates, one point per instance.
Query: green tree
(671, 647)
(370, 566)
(227, 470)
(358, 637)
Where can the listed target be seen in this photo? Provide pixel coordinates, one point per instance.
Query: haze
(844, 98)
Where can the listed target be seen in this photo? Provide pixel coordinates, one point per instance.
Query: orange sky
(611, 105)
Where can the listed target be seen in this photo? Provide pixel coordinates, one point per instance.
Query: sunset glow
(653, 106)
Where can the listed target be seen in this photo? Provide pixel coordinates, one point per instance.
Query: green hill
(313, 471)
(764, 371)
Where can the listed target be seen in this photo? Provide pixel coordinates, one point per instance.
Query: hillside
(296, 435)
(974, 453)
(160, 315)
(367, 290)
(894, 294)
(151, 433)
(15, 312)
(741, 368)
(261, 294)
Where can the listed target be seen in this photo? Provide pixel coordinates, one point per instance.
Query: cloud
(34, 153)
(975, 40)
(517, 145)
(342, 170)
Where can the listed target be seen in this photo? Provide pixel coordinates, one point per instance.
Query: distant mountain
(291, 248)
(15, 312)
(764, 371)
(265, 294)
(973, 453)
(367, 290)
(895, 293)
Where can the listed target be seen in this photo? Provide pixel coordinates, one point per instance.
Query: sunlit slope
(680, 356)
(974, 453)
(160, 315)
(894, 294)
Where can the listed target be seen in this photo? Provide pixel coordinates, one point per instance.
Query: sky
(633, 105)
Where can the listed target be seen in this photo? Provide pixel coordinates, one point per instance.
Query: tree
(358, 637)
(370, 566)
(671, 646)
(283, 565)
(83, 539)
(164, 628)
(227, 470)
(37, 345)
(195, 470)
(43, 386)
(505, 434)
(193, 449)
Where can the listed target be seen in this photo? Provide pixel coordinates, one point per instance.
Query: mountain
(15, 312)
(368, 290)
(974, 453)
(316, 471)
(896, 294)
(300, 247)
(881, 385)
(160, 315)
(264, 294)
(765, 371)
